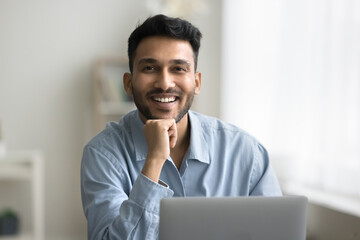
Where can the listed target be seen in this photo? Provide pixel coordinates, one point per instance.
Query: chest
(195, 178)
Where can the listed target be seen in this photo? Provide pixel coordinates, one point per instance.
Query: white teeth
(165, 100)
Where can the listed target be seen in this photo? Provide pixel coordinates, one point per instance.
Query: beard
(145, 110)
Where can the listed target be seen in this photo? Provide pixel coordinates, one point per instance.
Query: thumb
(172, 135)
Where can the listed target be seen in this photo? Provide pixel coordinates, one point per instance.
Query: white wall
(47, 51)
(272, 52)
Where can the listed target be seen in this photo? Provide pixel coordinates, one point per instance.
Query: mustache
(161, 91)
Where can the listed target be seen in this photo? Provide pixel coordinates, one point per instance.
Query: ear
(127, 83)
(197, 82)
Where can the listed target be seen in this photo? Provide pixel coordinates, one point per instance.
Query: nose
(164, 80)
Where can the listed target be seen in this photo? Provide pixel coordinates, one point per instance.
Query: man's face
(163, 82)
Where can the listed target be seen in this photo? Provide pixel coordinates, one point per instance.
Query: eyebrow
(181, 62)
(173, 61)
(147, 60)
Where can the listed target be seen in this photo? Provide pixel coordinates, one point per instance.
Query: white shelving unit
(110, 100)
(26, 166)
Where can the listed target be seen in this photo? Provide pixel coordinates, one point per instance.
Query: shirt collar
(198, 149)
(139, 142)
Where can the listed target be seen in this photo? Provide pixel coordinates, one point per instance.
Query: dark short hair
(161, 25)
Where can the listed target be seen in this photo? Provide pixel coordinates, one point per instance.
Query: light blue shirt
(121, 203)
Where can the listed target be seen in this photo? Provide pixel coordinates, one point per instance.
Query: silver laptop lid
(245, 218)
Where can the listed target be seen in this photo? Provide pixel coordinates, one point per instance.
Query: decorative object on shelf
(2, 142)
(110, 72)
(110, 99)
(9, 222)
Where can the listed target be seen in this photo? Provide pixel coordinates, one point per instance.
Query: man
(162, 149)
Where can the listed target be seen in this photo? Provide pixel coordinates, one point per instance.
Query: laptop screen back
(245, 218)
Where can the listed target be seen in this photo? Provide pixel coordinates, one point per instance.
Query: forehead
(164, 49)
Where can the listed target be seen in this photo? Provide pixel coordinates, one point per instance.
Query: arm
(263, 180)
(161, 135)
(114, 209)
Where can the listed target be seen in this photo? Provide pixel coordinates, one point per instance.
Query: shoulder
(214, 126)
(114, 137)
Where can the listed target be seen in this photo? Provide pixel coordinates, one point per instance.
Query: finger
(172, 135)
(173, 141)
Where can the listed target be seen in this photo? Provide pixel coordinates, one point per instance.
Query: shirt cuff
(147, 193)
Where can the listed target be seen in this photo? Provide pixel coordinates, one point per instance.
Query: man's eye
(180, 69)
(149, 68)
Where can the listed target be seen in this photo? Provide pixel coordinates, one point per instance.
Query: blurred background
(287, 71)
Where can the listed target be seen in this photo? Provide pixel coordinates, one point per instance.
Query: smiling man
(163, 83)
(163, 149)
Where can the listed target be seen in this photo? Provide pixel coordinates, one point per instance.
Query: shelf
(18, 237)
(110, 99)
(17, 165)
(17, 172)
(28, 166)
(21, 156)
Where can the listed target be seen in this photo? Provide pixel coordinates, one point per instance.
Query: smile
(165, 100)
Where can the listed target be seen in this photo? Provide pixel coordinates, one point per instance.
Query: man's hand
(161, 135)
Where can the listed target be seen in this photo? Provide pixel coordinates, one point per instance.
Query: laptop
(230, 218)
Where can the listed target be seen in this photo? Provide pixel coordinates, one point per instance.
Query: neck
(183, 141)
(183, 130)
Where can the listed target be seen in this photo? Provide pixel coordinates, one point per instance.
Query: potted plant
(9, 222)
